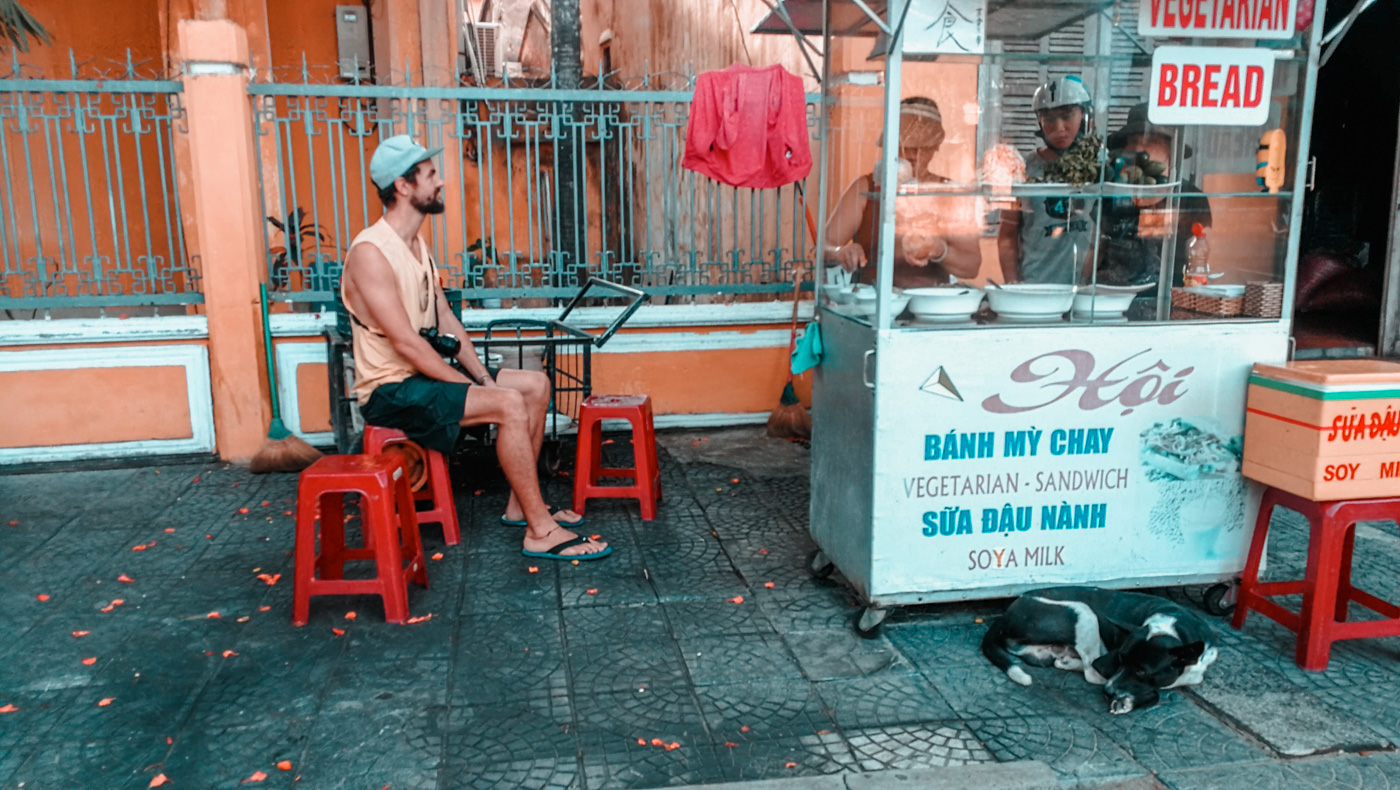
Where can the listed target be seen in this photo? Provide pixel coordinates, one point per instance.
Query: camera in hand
(446, 346)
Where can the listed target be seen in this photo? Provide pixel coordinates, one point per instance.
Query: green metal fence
(90, 215)
(513, 228)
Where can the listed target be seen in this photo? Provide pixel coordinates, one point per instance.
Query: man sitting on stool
(391, 290)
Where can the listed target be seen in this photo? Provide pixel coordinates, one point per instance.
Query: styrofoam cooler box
(1325, 429)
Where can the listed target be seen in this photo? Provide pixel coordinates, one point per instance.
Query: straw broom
(789, 420)
(282, 451)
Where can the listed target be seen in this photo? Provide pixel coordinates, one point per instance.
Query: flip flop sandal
(553, 553)
(520, 522)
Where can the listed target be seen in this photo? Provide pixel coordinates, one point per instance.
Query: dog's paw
(1120, 705)
(1018, 675)
(1069, 662)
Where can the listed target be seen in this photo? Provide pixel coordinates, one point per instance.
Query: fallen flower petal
(264, 503)
(790, 765)
(80, 634)
(105, 701)
(243, 510)
(672, 746)
(139, 547)
(350, 615)
(118, 601)
(769, 585)
(641, 741)
(125, 579)
(285, 765)
(90, 660)
(592, 591)
(230, 653)
(264, 608)
(270, 578)
(42, 596)
(158, 780)
(419, 619)
(257, 776)
(533, 569)
(737, 599)
(730, 744)
(607, 441)
(213, 616)
(106, 608)
(8, 708)
(733, 479)
(657, 742)
(595, 537)
(437, 555)
(170, 530)
(338, 631)
(14, 522)
(479, 492)
(744, 728)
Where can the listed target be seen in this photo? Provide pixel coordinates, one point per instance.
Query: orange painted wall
(698, 382)
(91, 405)
(313, 402)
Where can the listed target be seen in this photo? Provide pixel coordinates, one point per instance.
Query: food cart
(978, 447)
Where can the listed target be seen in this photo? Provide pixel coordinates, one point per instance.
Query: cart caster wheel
(1219, 600)
(819, 565)
(868, 622)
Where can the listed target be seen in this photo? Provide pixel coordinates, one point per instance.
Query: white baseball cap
(396, 156)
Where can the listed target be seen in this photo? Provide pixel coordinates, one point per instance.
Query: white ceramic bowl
(950, 303)
(863, 296)
(1103, 301)
(1031, 300)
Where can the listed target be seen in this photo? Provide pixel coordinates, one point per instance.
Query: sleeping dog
(1130, 643)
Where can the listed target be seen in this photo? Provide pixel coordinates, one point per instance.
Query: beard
(432, 205)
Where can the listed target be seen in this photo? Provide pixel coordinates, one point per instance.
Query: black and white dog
(1130, 643)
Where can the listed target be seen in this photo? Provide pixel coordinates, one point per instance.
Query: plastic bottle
(1197, 256)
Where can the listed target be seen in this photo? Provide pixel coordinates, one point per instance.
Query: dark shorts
(428, 411)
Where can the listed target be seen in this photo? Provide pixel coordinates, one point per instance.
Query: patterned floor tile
(885, 700)
(924, 745)
(719, 659)
(763, 710)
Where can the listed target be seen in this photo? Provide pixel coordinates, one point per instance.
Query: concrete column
(223, 167)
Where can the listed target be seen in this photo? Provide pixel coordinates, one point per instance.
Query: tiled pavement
(566, 677)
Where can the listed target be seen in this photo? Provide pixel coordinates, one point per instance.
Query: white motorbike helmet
(1064, 91)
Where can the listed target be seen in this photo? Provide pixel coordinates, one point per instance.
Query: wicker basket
(1263, 299)
(1219, 306)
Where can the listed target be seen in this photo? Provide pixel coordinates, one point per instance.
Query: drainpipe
(566, 69)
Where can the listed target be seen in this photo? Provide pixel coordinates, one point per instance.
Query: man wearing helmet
(1046, 241)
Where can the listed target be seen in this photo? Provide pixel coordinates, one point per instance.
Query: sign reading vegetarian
(1217, 18)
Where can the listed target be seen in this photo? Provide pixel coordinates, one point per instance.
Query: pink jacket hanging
(748, 127)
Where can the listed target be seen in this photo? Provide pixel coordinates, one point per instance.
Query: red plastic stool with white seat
(438, 491)
(646, 472)
(387, 521)
(1327, 589)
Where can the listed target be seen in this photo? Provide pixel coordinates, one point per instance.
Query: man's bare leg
(506, 408)
(534, 387)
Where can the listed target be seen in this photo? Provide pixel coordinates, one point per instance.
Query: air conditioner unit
(481, 42)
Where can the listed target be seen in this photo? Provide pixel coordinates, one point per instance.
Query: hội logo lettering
(1054, 376)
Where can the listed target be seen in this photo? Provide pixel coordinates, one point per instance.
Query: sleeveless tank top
(376, 361)
(905, 276)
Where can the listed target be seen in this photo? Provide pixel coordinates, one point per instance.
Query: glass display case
(1089, 175)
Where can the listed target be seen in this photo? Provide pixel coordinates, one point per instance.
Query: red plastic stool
(387, 520)
(645, 475)
(1327, 590)
(438, 491)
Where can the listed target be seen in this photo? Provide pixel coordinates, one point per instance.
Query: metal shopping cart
(560, 349)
